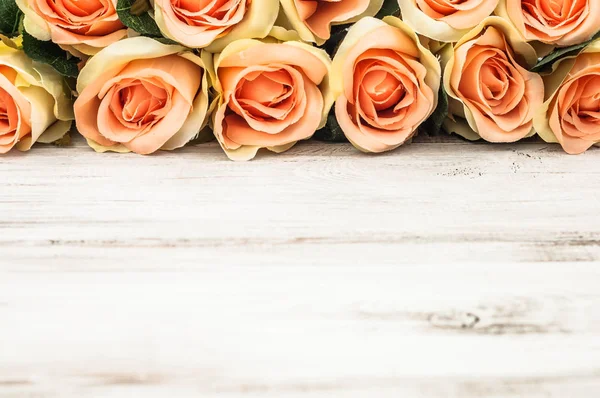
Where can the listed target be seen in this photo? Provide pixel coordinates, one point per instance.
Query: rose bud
(445, 20)
(492, 94)
(312, 19)
(561, 23)
(140, 95)
(82, 27)
(571, 113)
(270, 95)
(214, 24)
(385, 84)
(34, 106)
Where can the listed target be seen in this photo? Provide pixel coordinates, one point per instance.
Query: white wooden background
(443, 269)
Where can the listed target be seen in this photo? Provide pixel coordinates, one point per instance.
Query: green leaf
(164, 40)
(10, 15)
(433, 124)
(142, 23)
(332, 132)
(390, 7)
(49, 53)
(558, 54)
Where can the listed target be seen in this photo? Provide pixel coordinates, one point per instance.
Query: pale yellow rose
(34, 106)
(270, 94)
(445, 20)
(571, 113)
(312, 19)
(385, 84)
(557, 23)
(492, 94)
(141, 95)
(86, 26)
(214, 24)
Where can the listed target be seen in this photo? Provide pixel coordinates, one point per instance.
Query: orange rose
(385, 84)
(270, 95)
(198, 24)
(489, 87)
(33, 104)
(560, 23)
(85, 25)
(445, 20)
(312, 19)
(571, 113)
(140, 95)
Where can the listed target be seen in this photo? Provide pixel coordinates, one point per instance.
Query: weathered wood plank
(274, 331)
(318, 203)
(187, 275)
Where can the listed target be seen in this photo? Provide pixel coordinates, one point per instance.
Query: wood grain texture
(294, 275)
(461, 331)
(318, 204)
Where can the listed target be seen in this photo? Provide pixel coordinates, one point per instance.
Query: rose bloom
(571, 113)
(445, 20)
(270, 95)
(385, 84)
(140, 95)
(84, 25)
(312, 19)
(492, 94)
(34, 106)
(216, 23)
(560, 23)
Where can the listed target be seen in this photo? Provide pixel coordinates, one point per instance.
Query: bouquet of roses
(144, 75)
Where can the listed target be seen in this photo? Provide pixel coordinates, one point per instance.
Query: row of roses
(85, 26)
(140, 95)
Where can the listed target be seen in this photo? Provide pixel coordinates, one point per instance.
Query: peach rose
(492, 94)
(445, 20)
(215, 23)
(270, 95)
(560, 23)
(34, 106)
(140, 95)
(571, 113)
(85, 25)
(385, 84)
(312, 19)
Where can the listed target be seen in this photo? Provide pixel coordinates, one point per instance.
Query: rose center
(554, 12)
(386, 92)
(383, 88)
(140, 102)
(82, 8)
(587, 107)
(495, 79)
(210, 12)
(79, 12)
(491, 81)
(265, 95)
(8, 113)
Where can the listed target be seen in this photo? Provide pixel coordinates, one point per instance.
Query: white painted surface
(72, 208)
(187, 275)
